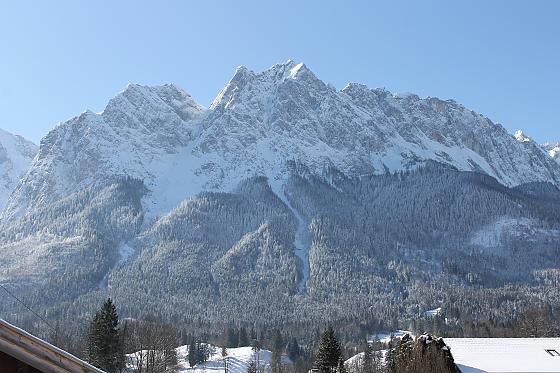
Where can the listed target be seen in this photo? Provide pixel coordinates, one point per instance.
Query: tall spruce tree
(256, 347)
(293, 350)
(232, 338)
(243, 338)
(367, 360)
(277, 350)
(193, 352)
(104, 345)
(341, 368)
(329, 353)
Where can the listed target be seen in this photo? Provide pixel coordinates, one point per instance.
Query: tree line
(149, 346)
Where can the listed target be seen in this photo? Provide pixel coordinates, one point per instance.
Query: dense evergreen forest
(383, 250)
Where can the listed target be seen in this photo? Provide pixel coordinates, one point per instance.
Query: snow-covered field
(385, 337)
(354, 364)
(238, 360)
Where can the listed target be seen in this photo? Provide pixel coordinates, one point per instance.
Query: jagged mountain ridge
(260, 124)
(16, 154)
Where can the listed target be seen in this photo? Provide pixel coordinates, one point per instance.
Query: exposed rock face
(16, 154)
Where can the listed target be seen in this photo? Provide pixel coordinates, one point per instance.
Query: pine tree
(104, 345)
(341, 368)
(293, 350)
(232, 338)
(256, 347)
(193, 354)
(278, 342)
(367, 361)
(243, 338)
(277, 349)
(225, 359)
(329, 352)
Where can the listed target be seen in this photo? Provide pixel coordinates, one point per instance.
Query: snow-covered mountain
(283, 201)
(264, 124)
(16, 154)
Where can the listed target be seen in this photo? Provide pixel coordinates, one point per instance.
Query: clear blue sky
(500, 58)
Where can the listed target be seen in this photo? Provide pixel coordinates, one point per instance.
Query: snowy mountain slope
(264, 124)
(553, 150)
(16, 155)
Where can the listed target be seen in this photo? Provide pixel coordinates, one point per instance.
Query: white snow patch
(294, 70)
(355, 363)
(302, 239)
(125, 252)
(493, 234)
(433, 313)
(553, 150)
(104, 282)
(386, 337)
(521, 137)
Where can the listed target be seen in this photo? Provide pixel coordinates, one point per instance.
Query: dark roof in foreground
(39, 354)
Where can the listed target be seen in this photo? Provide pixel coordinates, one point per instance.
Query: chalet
(506, 355)
(21, 352)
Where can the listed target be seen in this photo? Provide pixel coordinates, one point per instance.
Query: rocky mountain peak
(521, 137)
(246, 85)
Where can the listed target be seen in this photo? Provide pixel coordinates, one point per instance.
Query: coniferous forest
(221, 267)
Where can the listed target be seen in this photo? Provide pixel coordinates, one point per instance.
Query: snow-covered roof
(506, 355)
